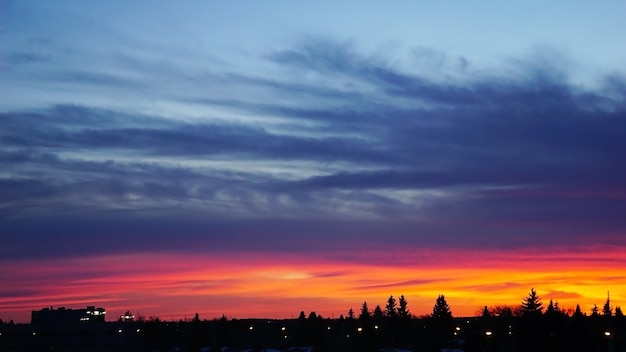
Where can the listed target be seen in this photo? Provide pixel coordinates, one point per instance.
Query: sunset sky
(262, 158)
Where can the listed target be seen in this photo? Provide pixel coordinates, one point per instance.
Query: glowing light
(359, 329)
(458, 328)
(182, 284)
(607, 333)
(251, 328)
(119, 331)
(488, 333)
(138, 330)
(376, 327)
(283, 328)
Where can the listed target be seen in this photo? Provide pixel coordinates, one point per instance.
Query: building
(62, 315)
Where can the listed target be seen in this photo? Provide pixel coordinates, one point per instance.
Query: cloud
(348, 147)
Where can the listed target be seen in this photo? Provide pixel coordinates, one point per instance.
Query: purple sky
(226, 128)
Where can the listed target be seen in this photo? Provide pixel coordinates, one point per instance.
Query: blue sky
(263, 126)
(305, 111)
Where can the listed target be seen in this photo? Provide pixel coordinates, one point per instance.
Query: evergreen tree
(312, 316)
(403, 311)
(351, 314)
(531, 305)
(365, 312)
(485, 313)
(302, 316)
(595, 311)
(378, 313)
(607, 310)
(618, 312)
(196, 318)
(578, 313)
(441, 310)
(551, 311)
(390, 308)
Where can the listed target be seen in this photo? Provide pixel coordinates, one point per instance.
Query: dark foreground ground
(558, 333)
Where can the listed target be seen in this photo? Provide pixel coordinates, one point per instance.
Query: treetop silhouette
(531, 305)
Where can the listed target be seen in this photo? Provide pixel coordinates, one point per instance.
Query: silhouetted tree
(350, 314)
(403, 310)
(531, 305)
(595, 311)
(618, 312)
(551, 311)
(577, 312)
(302, 316)
(312, 316)
(366, 314)
(196, 318)
(485, 313)
(441, 310)
(378, 313)
(607, 310)
(501, 311)
(390, 307)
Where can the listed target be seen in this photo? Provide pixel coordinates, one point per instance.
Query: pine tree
(552, 309)
(378, 313)
(403, 311)
(441, 310)
(531, 305)
(595, 311)
(351, 314)
(618, 312)
(390, 308)
(365, 312)
(607, 310)
(578, 313)
(486, 313)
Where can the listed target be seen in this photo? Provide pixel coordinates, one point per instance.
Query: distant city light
(607, 333)
(359, 329)
(488, 333)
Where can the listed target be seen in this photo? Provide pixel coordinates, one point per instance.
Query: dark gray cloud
(508, 160)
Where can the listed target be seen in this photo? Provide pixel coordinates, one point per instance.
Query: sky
(258, 159)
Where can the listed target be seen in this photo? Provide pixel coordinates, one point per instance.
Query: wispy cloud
(444, 160)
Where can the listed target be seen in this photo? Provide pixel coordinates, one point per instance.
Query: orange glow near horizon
(280, 286)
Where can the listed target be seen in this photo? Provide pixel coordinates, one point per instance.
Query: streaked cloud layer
(123, 139)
